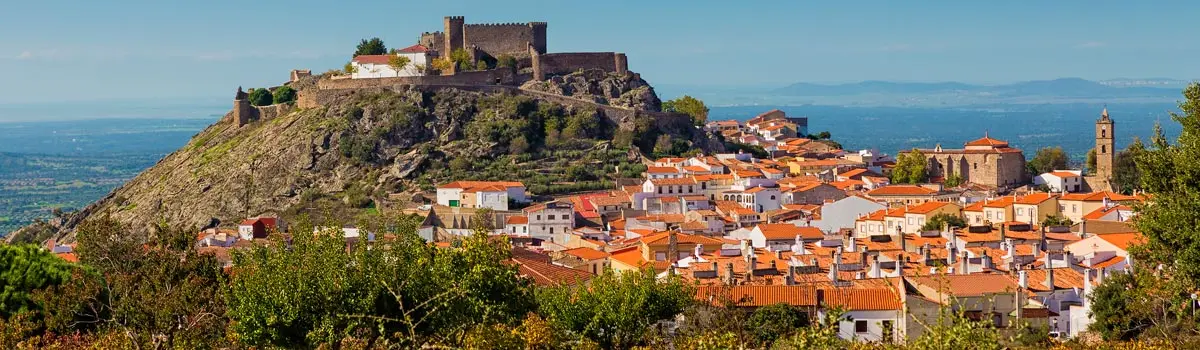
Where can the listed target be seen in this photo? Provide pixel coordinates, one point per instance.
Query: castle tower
(539, 36)
(1105, 149)
(454, 36)
(242, 110)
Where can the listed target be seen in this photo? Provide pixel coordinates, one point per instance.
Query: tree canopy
(936, 222)
(910, 168)
(24, 269)
(373, 46)
(616, 310)
(1047, 160)
(261, 97)
(398, 62)
(284, 94)
(688, 105)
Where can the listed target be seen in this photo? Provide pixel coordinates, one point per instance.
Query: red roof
(789, 231)
(547, 274)
(373, 59)
(988, 141)
(414, 49)
(517, 220)
(586, 253)
(901, 190)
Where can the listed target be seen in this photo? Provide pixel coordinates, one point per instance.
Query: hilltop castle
(489, 39)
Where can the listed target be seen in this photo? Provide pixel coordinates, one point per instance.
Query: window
(887, 331)
(704, 185)
(772, 197)
(566, 217)
(911, 221)
(1074, 208)
(670, 190)
(997, 320)
(1103, 149)
(539, 217)
(551, 230)
(1020, 211)
(860, 326)
(989, 215)
(660, 256)
(660, 190)
(691, 189)
(975, 166)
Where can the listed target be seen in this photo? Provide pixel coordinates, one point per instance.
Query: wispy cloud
(900, 47)
(25, 55)
(1090, 45)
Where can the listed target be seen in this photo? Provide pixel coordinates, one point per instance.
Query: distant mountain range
(1057, 88)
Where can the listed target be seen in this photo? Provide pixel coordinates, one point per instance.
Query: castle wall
(564, 63)
(500, 39)
(485, 77)
(434, 41)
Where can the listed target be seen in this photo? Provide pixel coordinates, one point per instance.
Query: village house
(584, 259)
(1036, 207)
(495, 195)
(1060, 181)
(551, 221)
(259, 227)
(380, 66)
(775, 237)
(895, 195)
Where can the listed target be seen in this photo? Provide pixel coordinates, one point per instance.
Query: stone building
(985, 161)
(1102, 176)
(490, 39)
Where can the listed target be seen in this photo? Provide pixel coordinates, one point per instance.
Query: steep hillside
(374, 148)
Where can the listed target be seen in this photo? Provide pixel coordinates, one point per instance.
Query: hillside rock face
(626, 90)
(365, 145)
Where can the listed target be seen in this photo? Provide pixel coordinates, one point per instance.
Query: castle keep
(985, 161)
(490, 39)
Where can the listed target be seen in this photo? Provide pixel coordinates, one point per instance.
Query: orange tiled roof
(967, 285)
(1035, 198)
(901, 190)
(713, 177)
(1101, 212)
(988, 141)
(547, 274)
(663, 237)
(1123, 240)
(1108, 263)
(586, 253)
(925, 208)
(661, 170)
(789, 231)
(481, 184)
(863, 299)
(674, 181)
(517, 220)
(753, 296)
(1064, 174)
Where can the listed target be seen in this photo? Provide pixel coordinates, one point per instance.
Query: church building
(984, 161)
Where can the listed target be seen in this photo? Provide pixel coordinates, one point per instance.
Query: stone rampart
(564, 63)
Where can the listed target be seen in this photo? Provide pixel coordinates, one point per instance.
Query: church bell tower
(1105, 149)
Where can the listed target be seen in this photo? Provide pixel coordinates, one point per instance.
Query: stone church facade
(985, 161)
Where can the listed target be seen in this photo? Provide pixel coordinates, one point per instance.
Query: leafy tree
(1115, 309)
(688, 105)
(442, 64)
(398, 62)
(402, 292)
(953, 330)
(954, 181)
(284, 94)
(157, 289)
(910, 168)
(1170, 173)
(936, 222)
(823, 335)
(771, 322)
(616, 310)
(461, 59)
(1126, 176)
(824, 135)
(261, 97)
(1048, 159)
(1090, 161)
(25, 269)
(1057, 220)
(349, 68)
(374, 46)
(484, 219)
(506, 61)
(663, 145)
(755, 150)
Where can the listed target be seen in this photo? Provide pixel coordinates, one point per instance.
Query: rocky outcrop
(626, 90)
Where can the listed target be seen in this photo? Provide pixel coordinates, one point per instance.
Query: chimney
(987, 261)
(950, 270)
(862, 257)
(729, 278)
(876, 269)
(1050, 279)
(716, 267)
(1042, 238)
(900, 266)
(1012, 249)
(698, 250)
(951, 254)
(1022, 279)
(833, 272)
(672, 248)
(1087, 283)
(1003, 232)
(789, 279)
(860, 275)
(966, 263)
(903, 244)
(1069, 258)
(1037, 251)
(1083, 228)
(852, 244)
(745, 245)
(778, 255)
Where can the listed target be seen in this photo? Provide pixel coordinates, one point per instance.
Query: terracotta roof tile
(547, 274)
(586, 253)
(789, 231)
(517, 220)
(901, 190)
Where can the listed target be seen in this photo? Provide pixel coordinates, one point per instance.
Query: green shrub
(261, 97)
(506, 61)
(284, 94)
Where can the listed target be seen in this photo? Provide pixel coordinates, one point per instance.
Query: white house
(843, 213)
(777, 237)
(517, 225)
(481, 194)
(378, 66)
(551, 221)
(1061, 180)
(759, 199)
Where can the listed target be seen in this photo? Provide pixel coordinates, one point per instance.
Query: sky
(54, 50)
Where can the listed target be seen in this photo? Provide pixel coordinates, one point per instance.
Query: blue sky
(55, 50)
